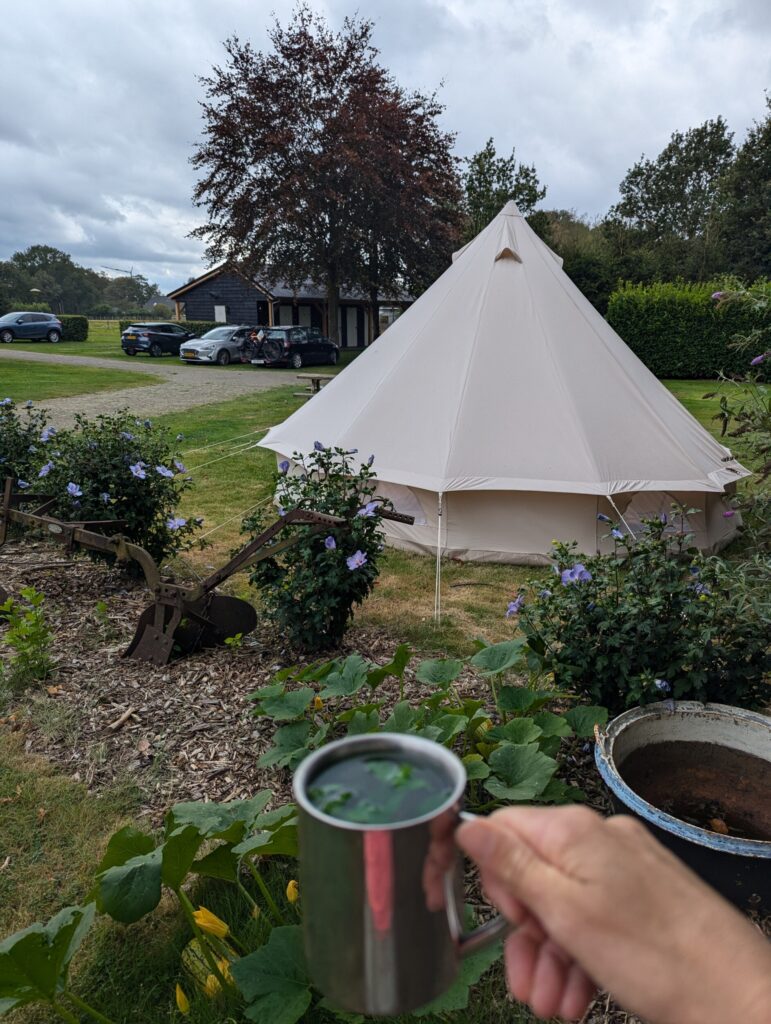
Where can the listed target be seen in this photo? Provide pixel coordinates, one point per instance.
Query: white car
(220, 345)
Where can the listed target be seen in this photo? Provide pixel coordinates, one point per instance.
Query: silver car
(221, 345)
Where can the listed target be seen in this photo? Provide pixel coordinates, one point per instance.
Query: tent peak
(511, 209)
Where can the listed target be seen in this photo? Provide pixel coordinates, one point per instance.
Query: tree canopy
(490, 181)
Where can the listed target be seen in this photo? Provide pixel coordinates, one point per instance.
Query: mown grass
(22, 380)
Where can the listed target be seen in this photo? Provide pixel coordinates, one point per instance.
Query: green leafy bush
(119, 467)
(309, 590)
(28, 636)
(20, 440)
(679, 331)
(198, 327)
(74, 328)
(658, 622)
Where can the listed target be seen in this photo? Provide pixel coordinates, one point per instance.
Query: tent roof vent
(507, 253)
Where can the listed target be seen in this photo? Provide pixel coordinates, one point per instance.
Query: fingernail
(477, 840)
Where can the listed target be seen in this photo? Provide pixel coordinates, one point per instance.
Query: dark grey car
(30, 327)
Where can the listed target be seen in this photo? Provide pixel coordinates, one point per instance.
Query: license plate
(257, 362)
(188, 355)
(131, 337)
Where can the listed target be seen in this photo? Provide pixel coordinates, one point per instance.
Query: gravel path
(183, 387)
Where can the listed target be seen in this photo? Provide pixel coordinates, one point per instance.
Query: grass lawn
(22, 380)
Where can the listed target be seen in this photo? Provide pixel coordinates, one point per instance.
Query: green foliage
(28, 636)
(20, 443)
(491, 181)
(309, 590)
(678, 330)
(74, 328)
(198, 327)
(650, 621)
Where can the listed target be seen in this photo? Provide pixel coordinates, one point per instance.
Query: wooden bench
(316, 382)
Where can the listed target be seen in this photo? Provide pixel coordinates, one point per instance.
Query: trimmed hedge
(679, 331)
(196, 326)
(74, 328)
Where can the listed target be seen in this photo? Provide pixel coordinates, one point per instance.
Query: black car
(30, 327)
(293, 346)
(154, 338)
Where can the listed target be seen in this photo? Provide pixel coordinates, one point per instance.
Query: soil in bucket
(713, 787)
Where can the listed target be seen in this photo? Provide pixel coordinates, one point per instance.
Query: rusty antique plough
(182, 617)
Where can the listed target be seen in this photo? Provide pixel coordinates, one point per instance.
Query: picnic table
(316, 382)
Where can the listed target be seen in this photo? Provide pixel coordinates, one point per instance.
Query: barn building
(227, 296)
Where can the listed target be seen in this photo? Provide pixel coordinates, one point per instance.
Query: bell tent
(503, 411)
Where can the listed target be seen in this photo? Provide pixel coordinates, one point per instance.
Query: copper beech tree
(316, 164)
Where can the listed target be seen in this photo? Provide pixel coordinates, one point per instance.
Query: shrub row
(74, 328)
(196, 326)
(679, 330)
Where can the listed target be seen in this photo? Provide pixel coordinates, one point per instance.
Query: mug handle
(480, 938)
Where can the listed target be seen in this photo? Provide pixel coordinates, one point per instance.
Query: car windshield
(217, 333)
(275, 335)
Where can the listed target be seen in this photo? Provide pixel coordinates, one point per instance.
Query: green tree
(129, 293)
(43, 273)
(490, 181)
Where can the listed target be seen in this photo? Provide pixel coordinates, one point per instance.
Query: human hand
(599, 900)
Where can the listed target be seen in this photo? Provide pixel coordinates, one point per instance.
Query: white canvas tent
(503, 411)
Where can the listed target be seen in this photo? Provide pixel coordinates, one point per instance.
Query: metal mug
(383, 904)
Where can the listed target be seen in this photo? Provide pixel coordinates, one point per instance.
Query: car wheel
(333, 357)
(223, 357)
(296, 361)
(155, 349)
(54, 337)
(6, 337)
(130, 351)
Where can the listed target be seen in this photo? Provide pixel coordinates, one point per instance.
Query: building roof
(307, 291)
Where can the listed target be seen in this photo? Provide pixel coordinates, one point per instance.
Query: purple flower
(281, 510)
(164, 471)
(514, 606)
(318, 446)
(545, 593)
(603, 518)
(126, 435)
(137, 470)
(758, 359)
(7, 401)
(717, 296)
(105, 497)
(662, 685)
(369, 510)
(283, 467)
(352, 451)
(356, 560)
(701, 589)
(664, 518)
(616, 534)
(578, 574)
(729, 513)
(330, 543)
(22, 484)
(45, 470)
(370, 460)
(176, 523)
(180, 468)
(694, 570)
(47, 434)
(74, 491)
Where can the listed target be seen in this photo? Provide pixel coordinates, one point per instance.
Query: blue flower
(22, 484)
(137, 470)
(281, 510)
(694, 570)
(7, 401)
(616, 534)
(126, 435)
(369, 510)
(74, 491)
(176, 523)
(105, 497)
(32, 449)
(590, 606)
(603, 518)
(370, 460)
(45, 470)
(283, 466)
(578, 574)
(356, 560)
(701, 589)
(47, 434)
(164, 471)
(515, 606)
(545, 594)
(758, 359)
(664, 518)
(180, 468)
(330, 543)
(662, 685)
(318, 446)
(148, 423)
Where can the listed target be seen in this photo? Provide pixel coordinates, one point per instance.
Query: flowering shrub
(20, 444)
(658, 622)
(309, 590)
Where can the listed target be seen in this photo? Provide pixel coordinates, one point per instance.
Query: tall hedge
(198, 327)
(679, 330)
(74, 328)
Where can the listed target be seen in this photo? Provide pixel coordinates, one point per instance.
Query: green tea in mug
(378, 790)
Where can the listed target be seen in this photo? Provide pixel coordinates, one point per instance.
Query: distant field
(22, 380)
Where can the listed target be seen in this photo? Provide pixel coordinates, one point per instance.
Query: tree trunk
(333, 306)
(374, 312)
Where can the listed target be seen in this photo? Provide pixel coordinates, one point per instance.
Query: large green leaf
(267, 692)
(518, 730)
(123, 845)
(475, 766)
(220, 862)
(499, 657)
(363, 721)
(290, 745)
(449, 725)
(583, 719)
(347, 679)
(34, 962)
(521, 771)
(129, 891)
(402, 718)
(552, 725)
(286, 706)
(518, 699)
(274, 979)
(439, 672)
(228, 821)
(178, 854)
(281, 842)
(395, 666)
(457, 995)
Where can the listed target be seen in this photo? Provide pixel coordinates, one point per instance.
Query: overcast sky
(99, 101)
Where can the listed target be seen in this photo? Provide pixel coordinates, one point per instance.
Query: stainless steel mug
(383, 904)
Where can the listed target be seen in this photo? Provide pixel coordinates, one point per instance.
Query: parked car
(155, 338)
(30, 327)
(295, 346)
(221, 345)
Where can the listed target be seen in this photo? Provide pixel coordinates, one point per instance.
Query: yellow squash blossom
(224, 967)
(210, 923)
(318, 703)
(211, 986)
(183, 1003)
(293, 891)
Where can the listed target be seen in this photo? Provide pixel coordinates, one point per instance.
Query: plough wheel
(205, 623)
